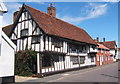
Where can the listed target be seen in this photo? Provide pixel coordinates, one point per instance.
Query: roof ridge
(103, 46)
(54, 17)
(65, 25)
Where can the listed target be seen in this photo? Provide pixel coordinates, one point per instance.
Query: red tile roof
(109, 44)
(54, 26)
(7, 30)
(102, 46)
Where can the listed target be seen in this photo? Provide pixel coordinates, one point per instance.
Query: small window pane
(24, 32)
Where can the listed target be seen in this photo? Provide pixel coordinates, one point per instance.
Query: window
(38, 31)
(80, 48)
(24, 32)
(48, 60)
(57, 43)
(93, 47)
(35, 39)
(73, 47)
(92, 58)
(82, 59)
(74, 59)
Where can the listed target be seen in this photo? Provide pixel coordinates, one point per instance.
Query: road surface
(105, 73)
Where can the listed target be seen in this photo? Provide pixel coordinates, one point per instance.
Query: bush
(25, 62)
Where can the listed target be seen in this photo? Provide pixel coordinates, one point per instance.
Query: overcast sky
(99, 19)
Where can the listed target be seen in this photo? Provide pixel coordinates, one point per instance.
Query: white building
(112, 46)
(60, 45)
(7, 48)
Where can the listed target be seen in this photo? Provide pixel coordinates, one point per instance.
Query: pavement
(104, 73)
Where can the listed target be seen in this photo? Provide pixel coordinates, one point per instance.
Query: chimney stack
(15, 14)
(103, 39)
(51, 10)
(97, 39)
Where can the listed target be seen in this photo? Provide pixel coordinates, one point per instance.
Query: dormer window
(24, 32)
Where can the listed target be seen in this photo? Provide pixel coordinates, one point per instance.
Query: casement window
(61, 58)
(82, 59)
(93, 47)
(57, 43)
(48, 60)
(24, 32)
(74, 59)
(92, 58)
(73, 47)
(35, 39)
(38, 31)
(80, 48)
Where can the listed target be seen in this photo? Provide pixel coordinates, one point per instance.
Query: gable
(24, 22)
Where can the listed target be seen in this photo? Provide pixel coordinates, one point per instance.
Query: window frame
(37, 37)
(21, 32)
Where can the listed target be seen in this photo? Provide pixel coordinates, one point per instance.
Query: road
(105, 73)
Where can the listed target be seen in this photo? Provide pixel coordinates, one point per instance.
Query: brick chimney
(103, 39)
(97, 39)
(15, 14)
(51, 10)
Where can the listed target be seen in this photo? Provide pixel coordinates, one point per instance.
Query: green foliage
(24, 62)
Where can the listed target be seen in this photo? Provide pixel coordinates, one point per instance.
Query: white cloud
(93, 10)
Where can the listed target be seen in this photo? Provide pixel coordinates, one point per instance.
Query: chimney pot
(50, 4)
(103, 39)
(97, 39)
(15, 15)
(51, 10)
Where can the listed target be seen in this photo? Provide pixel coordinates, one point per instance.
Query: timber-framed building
(60, 45)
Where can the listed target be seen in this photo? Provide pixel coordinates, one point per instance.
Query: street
(105, 73)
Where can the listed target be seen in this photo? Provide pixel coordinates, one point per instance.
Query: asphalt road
(105, 73)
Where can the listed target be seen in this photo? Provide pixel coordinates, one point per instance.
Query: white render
(7, 57)
(118, 54)
(114, 53)
(7, 49)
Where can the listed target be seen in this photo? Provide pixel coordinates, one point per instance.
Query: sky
(98, 19)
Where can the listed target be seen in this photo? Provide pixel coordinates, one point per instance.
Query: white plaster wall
(67, 62)
(118, 54)
(7, 57)
(42, 43)
(91, 49)
(87, 60)
(112, 51)
(1, 18)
